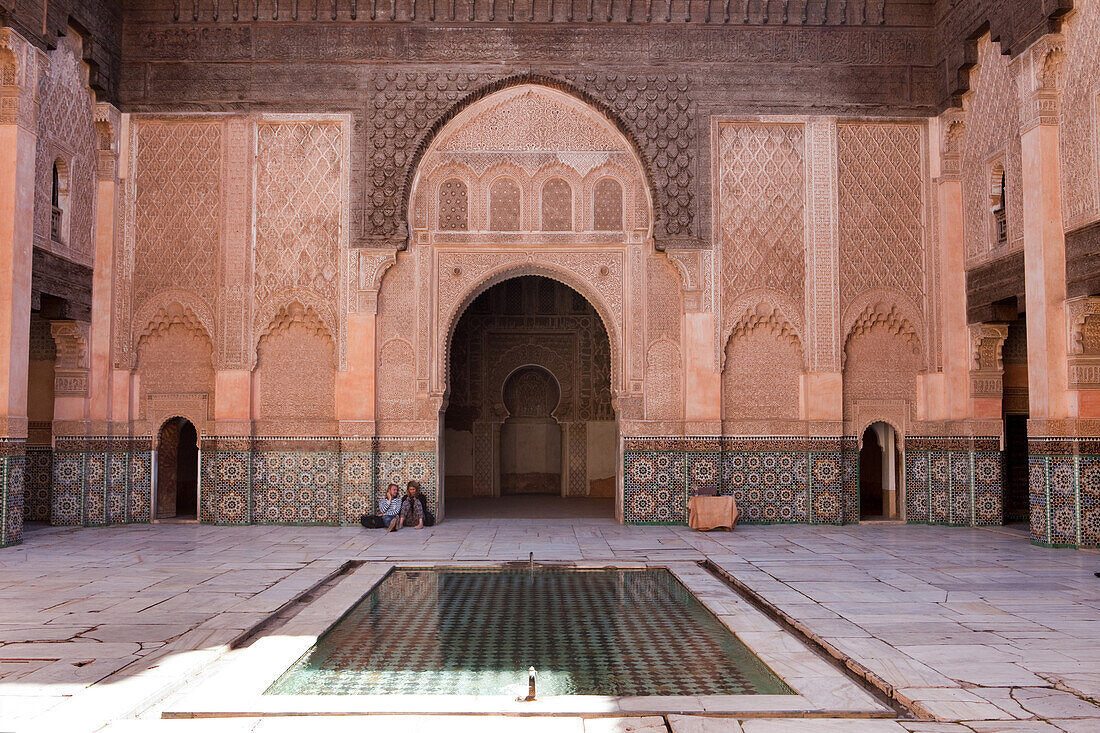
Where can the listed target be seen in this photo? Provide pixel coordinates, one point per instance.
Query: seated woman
(388, 509)
(414, 509)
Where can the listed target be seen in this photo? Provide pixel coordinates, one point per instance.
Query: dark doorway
(177, 470)
(530, 430)
(1016, 411)
(870, 475)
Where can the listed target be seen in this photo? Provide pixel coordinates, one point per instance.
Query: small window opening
(59, 203)
(1000, 213)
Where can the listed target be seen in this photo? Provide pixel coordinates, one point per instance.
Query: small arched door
(177, 470)
(879, 463)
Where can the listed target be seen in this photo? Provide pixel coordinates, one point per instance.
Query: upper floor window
(557, 206)
(504, 205)
(59, 202)
(453, 206)
(608, 206)
(998, 204)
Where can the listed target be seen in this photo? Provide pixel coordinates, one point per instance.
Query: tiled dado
(100, 481)
(12, 475)
(774, 480)
(954, 481)
(39, 481)
(1064, 489)
(313, 481)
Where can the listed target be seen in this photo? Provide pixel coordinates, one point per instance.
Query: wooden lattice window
(557, 206)
(453, 206)
(608, 206)
(504, 205)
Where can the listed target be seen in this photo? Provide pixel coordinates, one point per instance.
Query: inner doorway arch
(177, 478)
(530, 436)
(529, 409)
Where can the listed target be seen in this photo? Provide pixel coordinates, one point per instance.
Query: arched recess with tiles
(531, 185)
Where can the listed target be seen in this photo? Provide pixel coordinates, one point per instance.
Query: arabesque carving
(66, 132)
(992, 133)
(891, 320)
(882, 209)
(71, 365)
(1083, 322)
(760, 209)
(1079, 137)
(987, 367)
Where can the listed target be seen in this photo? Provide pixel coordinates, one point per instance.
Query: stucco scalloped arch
(321, 307)
(413, 172)
(540, 269)
(146, 316)
(892, 299)
(738, 307)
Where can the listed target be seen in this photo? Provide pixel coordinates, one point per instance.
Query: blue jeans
(387, 519)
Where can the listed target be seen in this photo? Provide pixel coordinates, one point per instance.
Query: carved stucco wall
(1080, 116)
(763, 365)
(991, 138)
(66, 133)
(761, 209)
(296, 373)
(230, 223)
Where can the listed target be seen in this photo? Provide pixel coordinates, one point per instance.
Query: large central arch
(528, 180)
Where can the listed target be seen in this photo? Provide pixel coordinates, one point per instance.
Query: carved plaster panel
(301, 184)
(987, 365)
(1080, 117)
(66, 137)
(991, 133)
(1083, 322)
(71, 365)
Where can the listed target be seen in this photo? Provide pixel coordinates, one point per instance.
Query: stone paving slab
(974, 625)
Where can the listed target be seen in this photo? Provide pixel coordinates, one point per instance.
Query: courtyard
(954, 629)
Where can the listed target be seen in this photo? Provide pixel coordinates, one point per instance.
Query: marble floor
(971, 629)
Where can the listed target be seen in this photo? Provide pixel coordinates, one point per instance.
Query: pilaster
(21, 65)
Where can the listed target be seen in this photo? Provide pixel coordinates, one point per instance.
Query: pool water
(476, 631)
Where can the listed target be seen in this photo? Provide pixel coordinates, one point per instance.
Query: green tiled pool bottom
(476, 631)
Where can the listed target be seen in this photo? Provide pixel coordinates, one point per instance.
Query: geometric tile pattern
(300, 487)
(39, 479)
(321, 482)
(12, 473)
(404, 463)
(1064, 489)
(615, 632)
(96, 481)
(774, 480)
(953, 481)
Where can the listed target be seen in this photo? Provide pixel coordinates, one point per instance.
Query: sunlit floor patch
(477, 631)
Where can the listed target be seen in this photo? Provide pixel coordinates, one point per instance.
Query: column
(1061, 446)
(20, 67)
(946, 171)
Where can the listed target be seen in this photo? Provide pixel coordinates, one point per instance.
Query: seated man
(388, 509)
